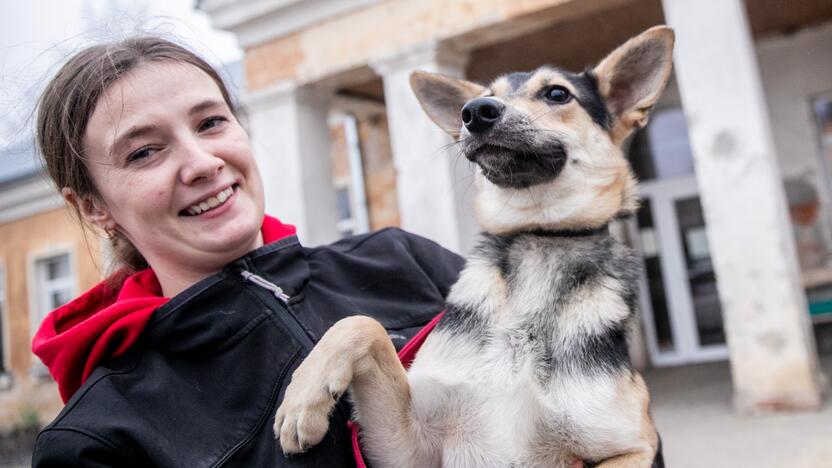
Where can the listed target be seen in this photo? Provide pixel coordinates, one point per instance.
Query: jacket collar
(106, 321)
(211, 312)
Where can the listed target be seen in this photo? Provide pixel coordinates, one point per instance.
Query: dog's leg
(356, 353)
(640, 459)
(635, 394)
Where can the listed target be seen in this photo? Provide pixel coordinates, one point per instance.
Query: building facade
(735, 227)
(45, 260)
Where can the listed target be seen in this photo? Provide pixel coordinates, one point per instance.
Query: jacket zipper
(294, 327)
(267, 285)
(283, 298)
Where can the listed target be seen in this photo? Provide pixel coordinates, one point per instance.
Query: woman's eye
(558, 95)
(140, 153)
(212, 122)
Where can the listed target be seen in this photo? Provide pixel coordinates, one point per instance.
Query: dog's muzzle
(507, 147)
(512, 168)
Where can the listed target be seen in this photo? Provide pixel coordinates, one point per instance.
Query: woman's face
(174, 170)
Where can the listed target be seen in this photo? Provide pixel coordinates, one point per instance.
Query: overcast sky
(37, 35)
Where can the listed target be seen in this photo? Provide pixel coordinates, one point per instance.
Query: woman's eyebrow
(132, 133)
(204, 105)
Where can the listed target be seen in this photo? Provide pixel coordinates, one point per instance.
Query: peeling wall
(351, 41)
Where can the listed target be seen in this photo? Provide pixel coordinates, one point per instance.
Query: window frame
(5, 329)
(36, 295)
(823, 147)
(822, 141)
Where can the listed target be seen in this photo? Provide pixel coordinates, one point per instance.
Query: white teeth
(210, 203)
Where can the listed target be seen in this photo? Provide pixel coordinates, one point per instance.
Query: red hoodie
(105, 321)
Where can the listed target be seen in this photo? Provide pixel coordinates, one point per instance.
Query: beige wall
(346, 44)
(379, 172)
(23, 241)
(340, 158)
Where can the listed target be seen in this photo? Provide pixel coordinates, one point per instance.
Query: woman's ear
(92, 209)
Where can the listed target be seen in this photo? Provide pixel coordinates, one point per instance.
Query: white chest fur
(505, 384)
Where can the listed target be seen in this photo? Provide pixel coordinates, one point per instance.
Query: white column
(434, 183)
(291, 141)
(773, 357)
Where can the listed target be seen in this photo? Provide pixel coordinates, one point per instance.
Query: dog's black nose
(480, 114)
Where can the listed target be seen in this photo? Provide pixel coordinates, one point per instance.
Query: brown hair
(69, 100)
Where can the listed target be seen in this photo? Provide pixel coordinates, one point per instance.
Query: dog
(529, 365)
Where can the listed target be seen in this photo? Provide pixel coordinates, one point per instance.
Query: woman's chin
(232, 240)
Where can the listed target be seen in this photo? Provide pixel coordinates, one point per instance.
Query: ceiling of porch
(582, 42)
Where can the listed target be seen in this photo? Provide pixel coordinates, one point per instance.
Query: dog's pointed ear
(443, 97)
(633, 76)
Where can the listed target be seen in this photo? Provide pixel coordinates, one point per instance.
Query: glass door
(707, 313)
(679, 296)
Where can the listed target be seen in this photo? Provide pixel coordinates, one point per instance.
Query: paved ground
(22, 461)
(692, 409)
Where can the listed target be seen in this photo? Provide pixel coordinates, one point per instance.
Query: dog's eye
(558, 95)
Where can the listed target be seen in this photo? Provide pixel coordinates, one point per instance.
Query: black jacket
(202, 385)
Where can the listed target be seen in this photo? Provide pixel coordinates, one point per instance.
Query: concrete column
(291, 142)
(434, 183)
(773, 357)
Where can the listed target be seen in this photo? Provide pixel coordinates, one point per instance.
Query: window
(348, 177)
(822, 107)
(5, 377)
(662, 150)
(54, 283)
(344, 212)
(54, 286)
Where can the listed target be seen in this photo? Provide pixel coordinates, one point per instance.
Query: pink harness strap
(406, 355)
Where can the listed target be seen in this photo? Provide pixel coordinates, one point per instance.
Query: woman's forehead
(155, 82)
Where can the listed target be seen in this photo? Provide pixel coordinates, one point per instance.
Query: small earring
(110, 233)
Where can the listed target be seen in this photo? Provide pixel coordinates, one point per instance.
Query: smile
(210, 203)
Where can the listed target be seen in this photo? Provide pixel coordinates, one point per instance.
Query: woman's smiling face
(175, 172)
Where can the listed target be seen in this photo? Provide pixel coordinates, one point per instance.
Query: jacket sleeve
(440, 265)
(70, 448)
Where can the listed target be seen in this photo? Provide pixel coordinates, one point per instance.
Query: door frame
(663, 193)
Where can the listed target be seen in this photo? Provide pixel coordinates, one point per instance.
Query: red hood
(105, 321)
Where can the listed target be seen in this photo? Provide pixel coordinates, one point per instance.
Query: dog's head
(547, 143)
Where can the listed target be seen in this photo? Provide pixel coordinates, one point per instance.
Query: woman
(181, 358)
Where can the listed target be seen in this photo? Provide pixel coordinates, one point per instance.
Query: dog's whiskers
(532, 118)
(544, 114)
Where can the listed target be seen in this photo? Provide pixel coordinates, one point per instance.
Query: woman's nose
(199, 163)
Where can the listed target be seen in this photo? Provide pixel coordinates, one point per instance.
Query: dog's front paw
(302, 420)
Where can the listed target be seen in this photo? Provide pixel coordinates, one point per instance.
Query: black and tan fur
(529, 366)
